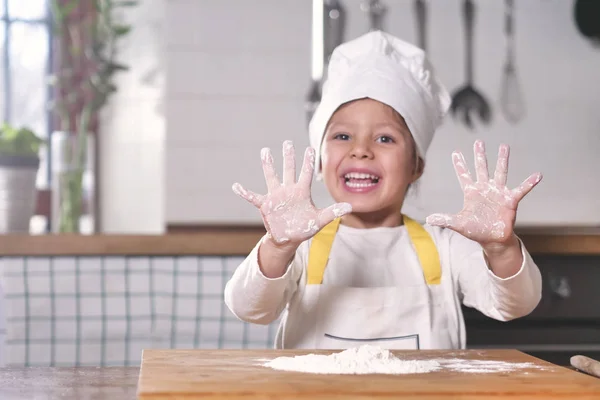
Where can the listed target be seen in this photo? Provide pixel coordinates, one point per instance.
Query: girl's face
(369, 158)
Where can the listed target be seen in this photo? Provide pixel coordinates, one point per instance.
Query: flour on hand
(365, 359)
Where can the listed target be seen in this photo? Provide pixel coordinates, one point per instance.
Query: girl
(359, 271)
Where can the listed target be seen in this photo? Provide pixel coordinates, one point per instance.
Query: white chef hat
(382, 67)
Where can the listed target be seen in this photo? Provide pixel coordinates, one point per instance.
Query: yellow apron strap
(426, 251)
(319, 252)
(424, 246)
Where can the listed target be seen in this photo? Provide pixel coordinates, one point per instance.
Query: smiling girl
(359, 271)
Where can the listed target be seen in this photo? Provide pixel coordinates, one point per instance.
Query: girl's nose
(361, 150)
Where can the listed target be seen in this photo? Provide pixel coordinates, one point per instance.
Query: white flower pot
(17, 192)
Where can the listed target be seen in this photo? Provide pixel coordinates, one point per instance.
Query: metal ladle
(468, 100)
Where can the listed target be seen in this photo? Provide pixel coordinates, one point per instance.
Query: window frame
(46, 20)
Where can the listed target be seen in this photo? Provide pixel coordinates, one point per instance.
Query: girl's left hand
(490, 208)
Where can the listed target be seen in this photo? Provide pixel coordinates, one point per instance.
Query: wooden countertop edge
(233, 242)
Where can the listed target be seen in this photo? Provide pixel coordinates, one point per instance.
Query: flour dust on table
(485, 366)
(368, 359)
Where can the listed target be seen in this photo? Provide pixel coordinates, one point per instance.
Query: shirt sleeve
(503, 299)
(254, 298)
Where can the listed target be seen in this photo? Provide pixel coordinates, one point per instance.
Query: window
(24, 67)
(25, 62)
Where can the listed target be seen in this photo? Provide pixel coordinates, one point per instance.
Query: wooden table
(85, 383)
(231, 374)
(239, 374)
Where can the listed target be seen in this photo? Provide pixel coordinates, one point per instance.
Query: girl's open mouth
(360, 182)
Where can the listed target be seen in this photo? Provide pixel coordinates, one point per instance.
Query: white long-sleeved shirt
(381, 257)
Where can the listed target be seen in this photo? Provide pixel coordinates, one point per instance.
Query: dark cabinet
(565, 323)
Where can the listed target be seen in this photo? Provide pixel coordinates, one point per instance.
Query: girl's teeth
(360, 184)
(360, 180)
(356, 175)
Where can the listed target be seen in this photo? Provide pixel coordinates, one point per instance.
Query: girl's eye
(341, 136)
(385, 139)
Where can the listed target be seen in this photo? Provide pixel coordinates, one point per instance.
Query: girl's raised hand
(490, 208)
(287, 210)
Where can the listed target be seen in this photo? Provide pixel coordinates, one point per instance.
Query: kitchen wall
(132, 175)
(213, 82)
(238, 72)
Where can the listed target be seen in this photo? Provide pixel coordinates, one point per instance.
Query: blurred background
(199, 87)
(126, 123)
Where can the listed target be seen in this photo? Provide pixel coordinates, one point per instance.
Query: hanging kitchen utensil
(317, 59)
(587, 19)
(467, 100)
(421, 14)
(313, 99)
(376, 11)
(335, 24)
(511, 97)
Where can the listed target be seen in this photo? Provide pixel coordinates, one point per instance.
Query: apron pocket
(406, 342)
(394, 318)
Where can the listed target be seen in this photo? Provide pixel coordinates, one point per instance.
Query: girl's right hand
(287, 210)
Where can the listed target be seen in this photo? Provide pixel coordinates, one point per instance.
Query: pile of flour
(365, 359)
(370, 359)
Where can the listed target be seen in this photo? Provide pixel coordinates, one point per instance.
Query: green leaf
(62, 11)
(113, 66)
(105, 33)
(131, 3)
(20, 141)
(120, 30)
(69, 7)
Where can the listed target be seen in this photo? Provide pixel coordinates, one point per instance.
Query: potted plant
(88, 33)
(19, 162)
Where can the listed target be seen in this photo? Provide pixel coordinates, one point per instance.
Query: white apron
(335, 317)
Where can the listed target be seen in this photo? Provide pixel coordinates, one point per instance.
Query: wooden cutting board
(238, 374)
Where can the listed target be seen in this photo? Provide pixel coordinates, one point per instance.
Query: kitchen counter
(83, 383)
(114, 383)
(238, 241)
